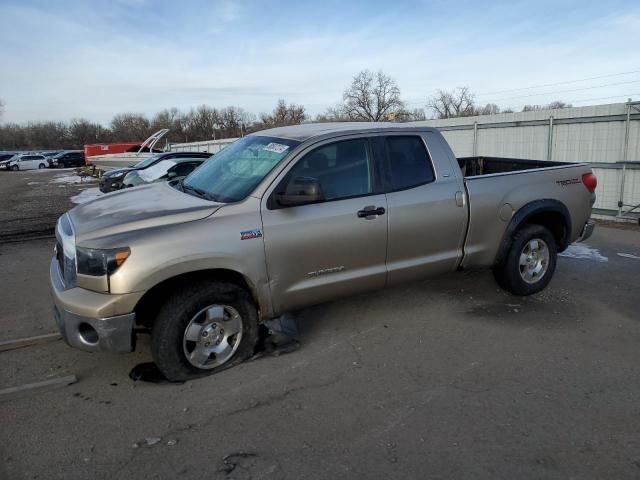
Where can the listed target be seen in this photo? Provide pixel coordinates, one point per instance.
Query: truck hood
(135, 209)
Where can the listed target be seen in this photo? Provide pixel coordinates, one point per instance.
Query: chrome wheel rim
(212, 336)
(534, 260)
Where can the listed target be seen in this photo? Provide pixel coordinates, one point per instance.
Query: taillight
(590, 181)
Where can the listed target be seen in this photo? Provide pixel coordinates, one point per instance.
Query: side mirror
(171, 175)
(301, 191)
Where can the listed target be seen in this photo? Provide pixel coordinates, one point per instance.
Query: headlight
(118, 175)
(98, 263)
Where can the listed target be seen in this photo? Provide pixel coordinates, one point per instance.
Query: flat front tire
(530, 261)
(202, 329)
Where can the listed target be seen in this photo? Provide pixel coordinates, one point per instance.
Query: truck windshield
(233, 173)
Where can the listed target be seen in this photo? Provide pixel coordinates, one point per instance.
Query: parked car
(66, 159)
(294, 216)
(112, 180)
(5, 158)
(164, 170)
(51, 153)
(27, 162)
(5, 163)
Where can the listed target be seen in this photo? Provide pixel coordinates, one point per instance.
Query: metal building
(607, 136)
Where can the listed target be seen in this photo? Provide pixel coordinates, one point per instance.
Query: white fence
(607, 136)
(211, 146)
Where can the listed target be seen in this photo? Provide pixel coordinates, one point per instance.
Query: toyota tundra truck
(294, 216)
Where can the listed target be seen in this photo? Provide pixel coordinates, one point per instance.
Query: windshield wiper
(198, 191)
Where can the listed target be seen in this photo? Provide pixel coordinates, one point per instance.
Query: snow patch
(584, 252)
(87, 195)
(73, 178)
(629, 255)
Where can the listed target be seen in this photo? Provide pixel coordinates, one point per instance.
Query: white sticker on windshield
(275, 147)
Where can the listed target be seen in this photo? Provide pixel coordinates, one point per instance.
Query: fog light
(88, 333)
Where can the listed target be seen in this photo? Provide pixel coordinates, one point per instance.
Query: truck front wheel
(203, 329)
(530, 261)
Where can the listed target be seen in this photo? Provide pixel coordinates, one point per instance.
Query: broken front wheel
(203, 329)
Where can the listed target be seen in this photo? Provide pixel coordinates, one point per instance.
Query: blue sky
(68, 58)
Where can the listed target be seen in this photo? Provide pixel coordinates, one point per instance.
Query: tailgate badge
(249, 234)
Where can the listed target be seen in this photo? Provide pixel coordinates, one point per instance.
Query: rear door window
(409, 163)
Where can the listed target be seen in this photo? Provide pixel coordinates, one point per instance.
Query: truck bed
(475, 166)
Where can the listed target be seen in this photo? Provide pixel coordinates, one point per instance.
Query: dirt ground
(440, 379)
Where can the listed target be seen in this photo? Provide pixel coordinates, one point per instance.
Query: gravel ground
(32, 201)
(440, 379)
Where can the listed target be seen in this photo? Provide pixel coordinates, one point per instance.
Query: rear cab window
(408, 163)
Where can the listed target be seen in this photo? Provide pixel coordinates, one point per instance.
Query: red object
(590, 181)
(108, 148)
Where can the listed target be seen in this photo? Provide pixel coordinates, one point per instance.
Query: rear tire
(189, 330)
(530, 261)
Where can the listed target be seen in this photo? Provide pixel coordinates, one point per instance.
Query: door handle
(371, 211)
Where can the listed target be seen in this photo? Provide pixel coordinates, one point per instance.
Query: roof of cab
(306, 131)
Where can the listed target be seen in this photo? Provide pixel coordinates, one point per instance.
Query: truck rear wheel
(530, 261)
(203, 329)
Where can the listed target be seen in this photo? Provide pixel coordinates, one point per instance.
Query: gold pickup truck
(295, 216)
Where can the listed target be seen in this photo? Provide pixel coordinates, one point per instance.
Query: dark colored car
(66, 159)
(112, 180)
(52, 153)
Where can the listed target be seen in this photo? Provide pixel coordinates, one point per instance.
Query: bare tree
(130, 127)
(283, 115)
(202, 123)
(234, 122)
(372, 97)
(172, 119)
(82, 132)
(415, 115)
(558, 104)
(488, 109)
(455, 103)
(551, 106)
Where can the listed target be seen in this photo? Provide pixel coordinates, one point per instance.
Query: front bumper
(80, 317)
(587, 230)
(114, 334)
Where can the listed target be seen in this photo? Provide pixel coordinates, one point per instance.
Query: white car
(27, 162)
